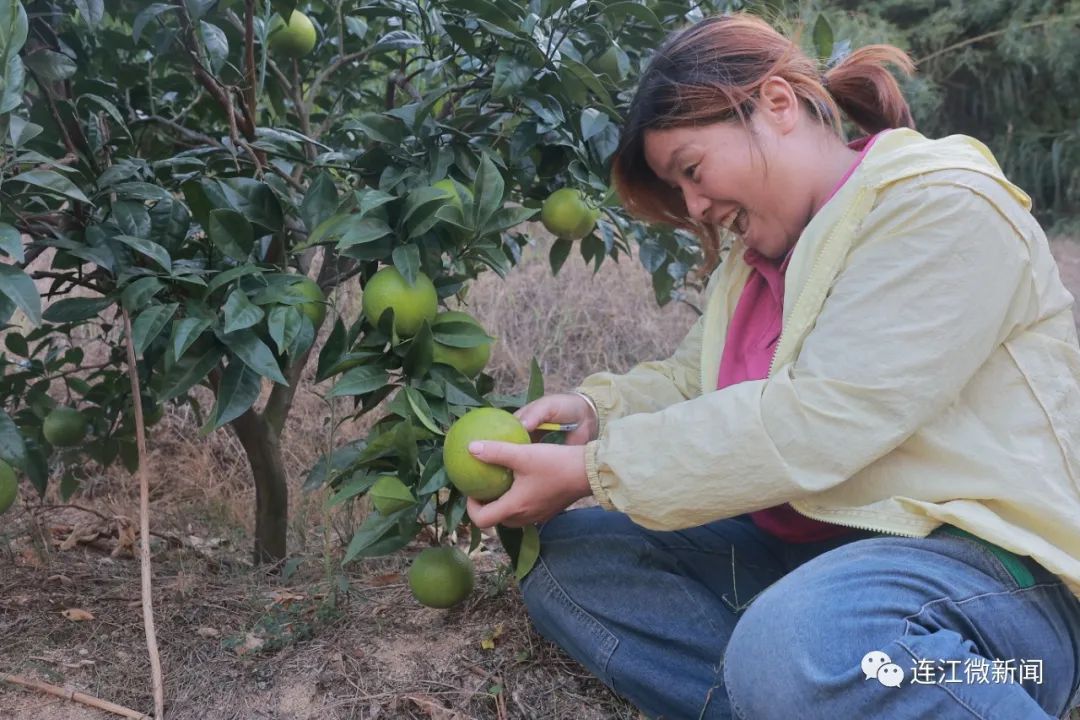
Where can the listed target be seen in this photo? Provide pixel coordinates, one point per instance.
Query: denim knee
(780, 658)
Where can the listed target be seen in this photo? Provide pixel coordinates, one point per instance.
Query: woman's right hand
(561, 408)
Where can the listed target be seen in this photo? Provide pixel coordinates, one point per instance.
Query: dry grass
(378, 654)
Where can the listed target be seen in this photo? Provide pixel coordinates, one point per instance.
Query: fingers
(482, 516)
(498, 453)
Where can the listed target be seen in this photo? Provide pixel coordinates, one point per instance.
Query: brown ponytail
(711, 72)
(867, 92)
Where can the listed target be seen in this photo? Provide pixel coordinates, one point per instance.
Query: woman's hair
(711, 72)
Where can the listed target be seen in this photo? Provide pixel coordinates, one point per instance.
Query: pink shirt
(748, 352)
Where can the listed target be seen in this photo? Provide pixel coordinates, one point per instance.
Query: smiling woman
(704, 151)
(866, 449)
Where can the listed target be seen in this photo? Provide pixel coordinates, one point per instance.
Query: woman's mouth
(741, 223)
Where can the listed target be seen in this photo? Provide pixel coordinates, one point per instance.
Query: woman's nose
(696, 205)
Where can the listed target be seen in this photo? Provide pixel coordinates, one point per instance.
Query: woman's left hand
(547, 478)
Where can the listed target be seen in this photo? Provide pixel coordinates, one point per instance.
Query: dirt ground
(238, 643)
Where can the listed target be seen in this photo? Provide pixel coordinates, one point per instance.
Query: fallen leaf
(208, 632)
(252, 644)
(77, 614)
(387, 579)
(488, 641)
(434, 710)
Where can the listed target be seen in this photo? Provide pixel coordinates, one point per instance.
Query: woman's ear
(778, 105)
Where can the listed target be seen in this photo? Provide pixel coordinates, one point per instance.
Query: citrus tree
(215, 169)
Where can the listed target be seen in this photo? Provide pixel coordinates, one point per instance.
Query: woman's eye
(690, 171)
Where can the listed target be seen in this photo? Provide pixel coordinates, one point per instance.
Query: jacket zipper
(772, 369)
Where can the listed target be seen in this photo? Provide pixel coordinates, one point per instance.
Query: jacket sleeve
(648, 386)
(936, 280)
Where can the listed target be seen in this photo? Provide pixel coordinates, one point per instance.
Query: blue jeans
(727, 621)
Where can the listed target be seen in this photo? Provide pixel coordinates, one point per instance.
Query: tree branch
(341, 61)
(207, 80)
(249, 58)
(193, 135)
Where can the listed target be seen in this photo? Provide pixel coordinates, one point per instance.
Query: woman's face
(748, 180)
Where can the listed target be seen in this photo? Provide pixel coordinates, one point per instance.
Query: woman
(854, 489)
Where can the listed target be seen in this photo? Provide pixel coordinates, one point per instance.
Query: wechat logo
(876, 664)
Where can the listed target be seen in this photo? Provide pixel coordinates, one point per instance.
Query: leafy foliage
(161, 158)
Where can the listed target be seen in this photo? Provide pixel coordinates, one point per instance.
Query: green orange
(469, 361)
(472, 477)
(9, 487)
(315, 309)
(441, 577)
(412, 304)
(295, 39)
(64, 427)
(567, 215)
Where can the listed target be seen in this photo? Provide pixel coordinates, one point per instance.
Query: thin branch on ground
(73, 696)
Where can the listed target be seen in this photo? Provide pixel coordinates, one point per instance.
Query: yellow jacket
(928, 372)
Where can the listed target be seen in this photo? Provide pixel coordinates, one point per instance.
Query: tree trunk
(263, 450)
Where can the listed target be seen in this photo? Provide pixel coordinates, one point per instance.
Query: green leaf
(255, 201)
(20, 289)
(147, 16)
(455, 333)
(240, 313)
(421, 409)
(231, 233)
(823, 37)
(108, 107)
(360, 381)
(11, 83)
(53, 182)
(523, 547)
(22, 131)
(73, 310)
(186, 332)
(12, 446)
(396, 40)
(359, 483)
(149, 324)
(91, 11)
(51, 66)
(508, 217)
(332, 350)
(191, 369)
(222, 279)
(490, 188)
(147, 248)
(421, 352)
(284, 8)
(11, 242)
(362, 230)
(374, 529)
(641, 12)
(320, 202)
(433, 478)
(284, 323)
(511, 74)
(536, 382)
(217, 45)
(593, 122)
(331, 464)
(560, 250)
(139, 293)
(239, 389)
(407, 261)
(255, 354)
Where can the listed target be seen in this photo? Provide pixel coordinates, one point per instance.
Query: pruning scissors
(557, 427)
